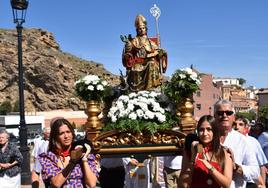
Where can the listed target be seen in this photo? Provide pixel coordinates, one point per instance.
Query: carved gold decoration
(93, 124)
(185, 111)
(127, 143)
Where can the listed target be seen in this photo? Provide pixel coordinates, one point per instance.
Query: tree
(5, 107)
(241, 81)
(263, 112)
(16, 107)
(251, 115)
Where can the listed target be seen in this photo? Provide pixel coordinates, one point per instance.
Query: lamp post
(19, 8)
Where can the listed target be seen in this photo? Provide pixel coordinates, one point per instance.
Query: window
(198, 93)
(198, 106)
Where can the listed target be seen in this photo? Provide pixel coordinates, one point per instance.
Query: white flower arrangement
(188, 73)
(183, 83)
(91, 87)
(138, 111)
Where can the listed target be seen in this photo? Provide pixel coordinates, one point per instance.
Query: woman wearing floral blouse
(64, 167)
(10, 160)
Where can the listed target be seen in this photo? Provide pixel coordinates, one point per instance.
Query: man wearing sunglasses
(245, 164)
(242, 125)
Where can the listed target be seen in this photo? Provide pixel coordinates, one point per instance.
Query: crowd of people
(221, 153)
(224, 151)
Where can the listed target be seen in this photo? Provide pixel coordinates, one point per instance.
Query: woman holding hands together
(206, 163)
(63, 165)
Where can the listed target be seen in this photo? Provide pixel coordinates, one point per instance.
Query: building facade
(206, 97)
(227, 81)
(262, 97)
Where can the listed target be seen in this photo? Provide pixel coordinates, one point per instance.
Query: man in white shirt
(137, 174)
(172, 170)
(246, 166)
(263, 140)
(40, 146)
(242, 126)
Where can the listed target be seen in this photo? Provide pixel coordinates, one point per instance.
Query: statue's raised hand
(125, 38)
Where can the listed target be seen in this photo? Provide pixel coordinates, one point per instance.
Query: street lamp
(19, 8)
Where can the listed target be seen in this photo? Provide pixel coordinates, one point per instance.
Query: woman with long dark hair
(63, 165)
(207, 163)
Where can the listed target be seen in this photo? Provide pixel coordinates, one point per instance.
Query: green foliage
(249, 115)
(5, 107)
(16, 107)
(242, 81)
(263, 112)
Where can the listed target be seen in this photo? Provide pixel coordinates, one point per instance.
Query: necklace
(61, 162)
(209, 180)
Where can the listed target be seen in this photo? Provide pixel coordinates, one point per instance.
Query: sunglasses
(228, 113)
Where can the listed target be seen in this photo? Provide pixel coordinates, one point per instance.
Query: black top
(10, 155)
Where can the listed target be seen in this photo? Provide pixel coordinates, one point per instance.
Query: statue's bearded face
(142, 30)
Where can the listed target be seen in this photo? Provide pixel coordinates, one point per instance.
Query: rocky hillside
(49, 73)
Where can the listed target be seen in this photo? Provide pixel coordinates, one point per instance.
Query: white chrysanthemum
(132, 115)
(90, 79)
(124, 98)
(162, 110)
(87, 81)
(90, 87)
(154, 94)
(140, 113)
(149, 114)
(130, 107)
(188, 70)
(145, 116)
(194, 75)
(113, 119)
(119, 104)
(131, 101)
(143, 106)
(104, 83)
(112, 111)
(143, 99)
(160, 117)
(95, 82)
(100, 87)
(122, 113)
(156, 106)
(132, 95)
(150, 101)
(182, 76)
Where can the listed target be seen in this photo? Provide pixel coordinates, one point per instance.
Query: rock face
(49, 73)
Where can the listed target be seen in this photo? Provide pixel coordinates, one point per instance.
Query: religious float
(144, 116)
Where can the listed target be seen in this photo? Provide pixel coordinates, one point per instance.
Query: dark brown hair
(55, 129)
(217, 149)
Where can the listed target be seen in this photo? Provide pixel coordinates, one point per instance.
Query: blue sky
(227, 38)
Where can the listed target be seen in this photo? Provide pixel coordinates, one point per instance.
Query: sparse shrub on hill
(5, 107)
